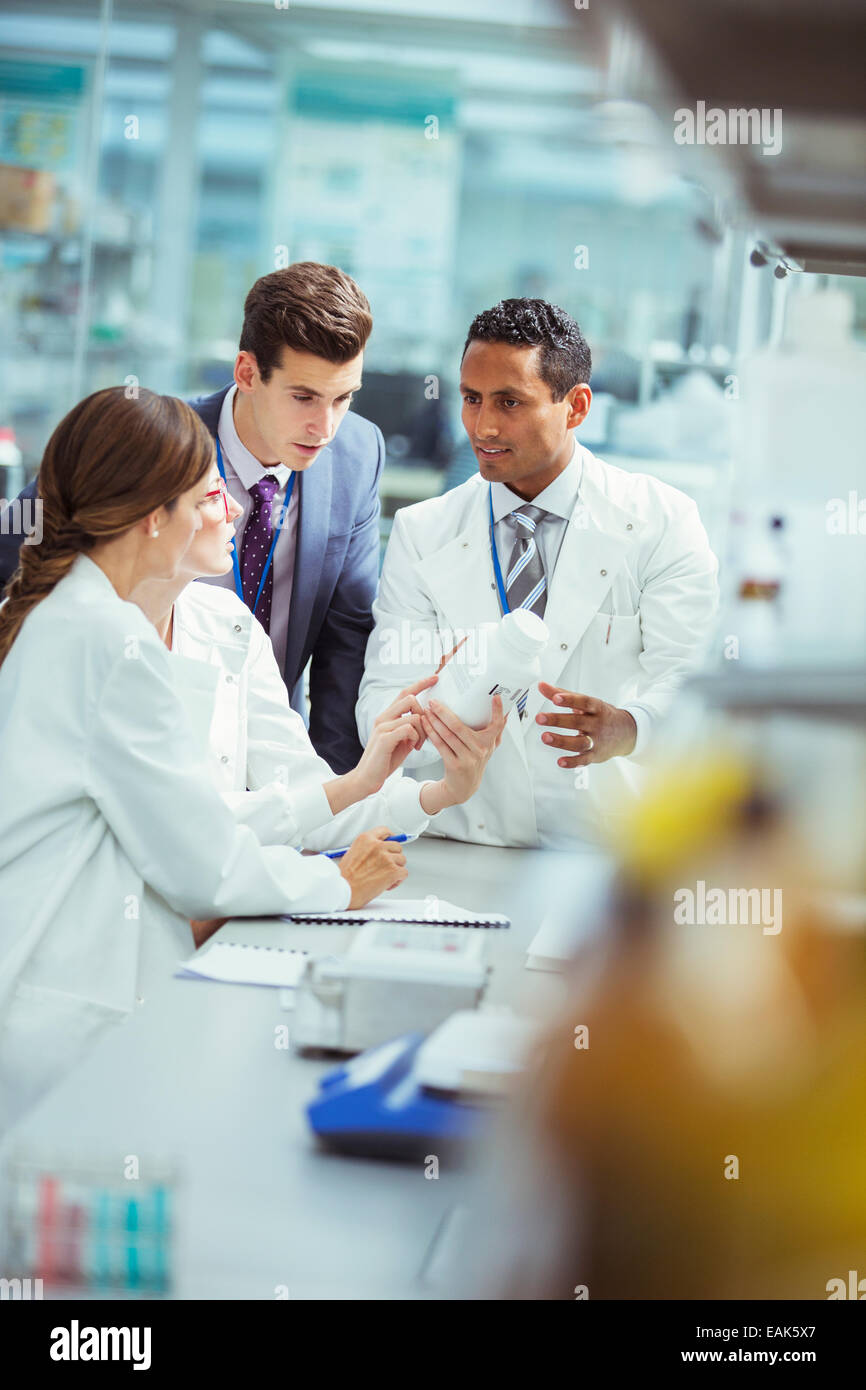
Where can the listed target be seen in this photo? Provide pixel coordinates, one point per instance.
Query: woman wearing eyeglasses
(239, 705)
(112, 836)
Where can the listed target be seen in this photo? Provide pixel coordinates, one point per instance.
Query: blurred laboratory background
(155, 160)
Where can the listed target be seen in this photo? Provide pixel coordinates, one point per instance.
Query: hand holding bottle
(464, 751)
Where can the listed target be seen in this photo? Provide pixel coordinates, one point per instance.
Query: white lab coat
(238, 703)
(630, 608)
(111, 834)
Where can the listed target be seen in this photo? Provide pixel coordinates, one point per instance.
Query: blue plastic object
(373, 1106)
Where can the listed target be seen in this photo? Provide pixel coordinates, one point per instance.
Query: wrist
(435, 797)
(628, 734)
(348, 876)
(344, 791)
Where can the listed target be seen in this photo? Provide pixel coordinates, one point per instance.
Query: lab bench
(196, 1081)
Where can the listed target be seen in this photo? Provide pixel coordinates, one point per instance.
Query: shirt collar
(245, 464)
(559, 497)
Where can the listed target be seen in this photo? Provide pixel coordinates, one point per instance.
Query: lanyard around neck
(283, 512)
(497, 569)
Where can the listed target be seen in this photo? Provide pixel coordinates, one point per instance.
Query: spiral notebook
(430, 911)
(241, 963)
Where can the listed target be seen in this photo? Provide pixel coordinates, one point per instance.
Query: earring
(153, 535)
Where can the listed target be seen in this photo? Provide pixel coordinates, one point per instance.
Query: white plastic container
(509, 665)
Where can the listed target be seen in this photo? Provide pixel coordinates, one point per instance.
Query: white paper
(246, 965)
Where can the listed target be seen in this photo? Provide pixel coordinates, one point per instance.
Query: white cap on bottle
(525, 632)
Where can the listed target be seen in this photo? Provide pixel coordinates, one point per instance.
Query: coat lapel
(314, 510)
(597, 540)
(460, 575)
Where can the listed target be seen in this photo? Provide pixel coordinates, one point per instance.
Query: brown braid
(109, 463)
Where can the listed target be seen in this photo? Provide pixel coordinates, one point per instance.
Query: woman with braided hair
(112, 836)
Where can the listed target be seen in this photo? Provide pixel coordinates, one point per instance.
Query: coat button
(629, 527)
(139, 999)
(237, 627)
(481, 825)
(230, 680)
(465, 545)
(563, 646)
(603, 571)
(224, 758)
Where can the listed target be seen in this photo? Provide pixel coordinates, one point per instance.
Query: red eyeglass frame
(220, 491)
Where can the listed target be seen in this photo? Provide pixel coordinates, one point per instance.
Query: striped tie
(526, 583)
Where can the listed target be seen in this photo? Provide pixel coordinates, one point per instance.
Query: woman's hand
(465, 753)
(396, 732)
(407, 701)
(390, 744)
(372, 865)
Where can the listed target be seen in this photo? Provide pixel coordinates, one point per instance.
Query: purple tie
(255, 547)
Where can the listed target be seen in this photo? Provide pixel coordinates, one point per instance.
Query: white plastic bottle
(509, 665)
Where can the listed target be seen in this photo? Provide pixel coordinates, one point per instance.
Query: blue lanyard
(239, 586)
(496, 566)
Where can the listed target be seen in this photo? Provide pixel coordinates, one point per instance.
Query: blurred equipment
(90, 1228)
(394, 977)
(794, 68)
(692, 420)
(411, 414)
(26, 199)
(571, 922)
(800, 458)
(700, 1144)
(410, 1096)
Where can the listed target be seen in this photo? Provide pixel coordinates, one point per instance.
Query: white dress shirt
(559, 499)
(243, 470)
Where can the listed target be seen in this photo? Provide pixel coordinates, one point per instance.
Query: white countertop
(195, 1080)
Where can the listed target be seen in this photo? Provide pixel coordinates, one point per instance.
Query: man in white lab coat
(617, 564)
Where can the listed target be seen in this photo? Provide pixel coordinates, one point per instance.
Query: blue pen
(338, 853)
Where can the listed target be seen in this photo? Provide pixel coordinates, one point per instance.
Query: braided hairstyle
(109, 463)
(564, 361)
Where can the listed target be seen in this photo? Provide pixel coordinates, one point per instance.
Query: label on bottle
(508, 695)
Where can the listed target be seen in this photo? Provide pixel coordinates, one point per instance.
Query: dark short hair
(565, 359)
(309, 307)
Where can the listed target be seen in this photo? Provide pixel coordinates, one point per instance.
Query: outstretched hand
(589, 729)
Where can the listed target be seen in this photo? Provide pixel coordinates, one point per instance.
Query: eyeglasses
(222, 492)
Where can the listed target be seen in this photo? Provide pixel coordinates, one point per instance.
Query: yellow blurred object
(683, 809)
